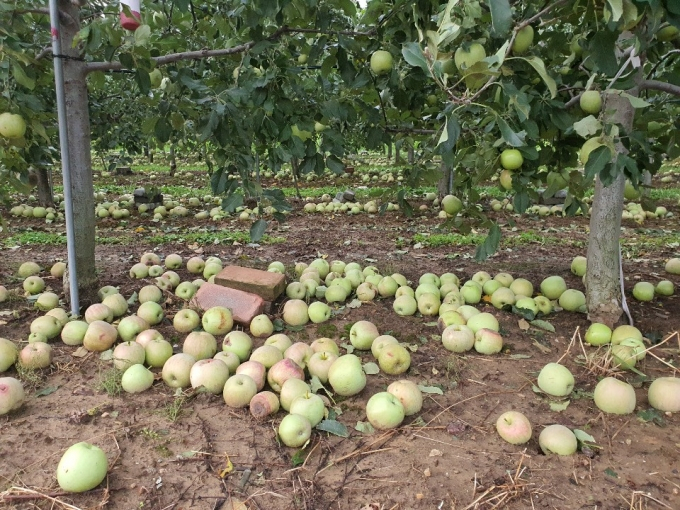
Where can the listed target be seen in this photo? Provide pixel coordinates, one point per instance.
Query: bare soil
(171, 450)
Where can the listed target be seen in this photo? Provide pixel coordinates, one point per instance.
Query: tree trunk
(78, 123)
(603, 276)
(444, 182)
(173, 160)
(397, 155)
(389, 151)
(411, 155)
(603, 283)
(44, 185)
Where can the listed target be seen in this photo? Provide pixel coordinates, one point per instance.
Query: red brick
(243, 305)
(265, 284)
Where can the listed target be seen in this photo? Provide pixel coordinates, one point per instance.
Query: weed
(150, 434)
(30, 377)
(110, 382)
(174, 410)
(327, 330)
(453, 368)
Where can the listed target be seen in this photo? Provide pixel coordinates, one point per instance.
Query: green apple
(362, 333)
(11, 394)
(665, 288)
(556, 380)
(295, 430)
(514, 427)
(82, 467)
(488, 341)
(579, 265)
(673, 266)
(573, 300)
(591, 102)
(664, 394)
(643, 291)
(137, 378)
(381, 62)
(598, 334)
(614, 396)
(394, 359)
(523, 40)
(309, 405)
(552, 287)
(384, 411)
(451, 204)
(511, 159)
(458, 338)
(557, 439)
(623, 332)
(464, 58)
(408, 394)
(346, 375)
(12, 125)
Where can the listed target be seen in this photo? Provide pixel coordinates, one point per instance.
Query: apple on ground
(295, 430)
(384, 411)
(309, 405)
(663, 394)
(130, 327)
(280, 340)
(295, 312)
(255, 370)
(394, 359)
(409, 395)
(557, 439)
(362, 334)
(261, 326)
(284, 370)
(614, 396)
(556, 380)
(151, 312)
(320, 363)
(200, 345)
(82, 467)
(176, 370)
(346, 375)
(100, 336)
(217, 320)
(210, 374)
(267, 354)
(264, 404)
(488, 341)
(157, 352)
(238, 342)
(11, 394)
(186, 320)
(239, 390)
(513, 427)
(137, 378)
(127, 354)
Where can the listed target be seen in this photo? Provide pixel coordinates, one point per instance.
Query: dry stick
(33, 494)
(619, 430)
(576, 334)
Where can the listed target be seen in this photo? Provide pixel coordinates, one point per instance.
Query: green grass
(210, 238)
(665, 194)
(55, 239)
(110, 382)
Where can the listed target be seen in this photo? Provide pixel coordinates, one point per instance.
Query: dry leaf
(435, 453)
(523, 324)
(81, 352)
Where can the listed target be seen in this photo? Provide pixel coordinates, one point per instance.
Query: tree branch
(661, 86)
(200, 54)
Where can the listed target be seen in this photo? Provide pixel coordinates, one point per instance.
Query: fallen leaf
(435, 453)
(523, 324)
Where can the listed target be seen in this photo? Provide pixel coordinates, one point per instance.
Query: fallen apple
(200, 345)
(295, 430)
(663, 394)
(210, 374)
(409, 395)
(264, 404)
(346, 375)
(514, 427)
(176, 370)
(82, 467)
(394, 359)
(614, 396)
(239, 390)
(556, 380)
(137, 378)
(384, 411)
(557, 439)
(11, 394)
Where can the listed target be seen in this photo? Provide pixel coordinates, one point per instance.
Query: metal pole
(65, 157)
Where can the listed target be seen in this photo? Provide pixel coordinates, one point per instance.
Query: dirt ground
(169, 450)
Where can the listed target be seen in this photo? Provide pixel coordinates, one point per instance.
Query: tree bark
(173, 160)
(44, 185)
(78, 123)
(444, 183)
(603, 275)
(411, 155)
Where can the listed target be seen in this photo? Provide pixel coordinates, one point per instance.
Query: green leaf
(435, 390)
(544, 325)
(490, 244)
(449, 136)
(365, 427)
(257, 230)
(652, 415)
(559, 406)
(524, 312)
(22, 78)
(603, 48)
(162, 129)
(230, 203)
(598, 159)
(142, 35)
(584, 437)
(46, 391)
(413, 54)
(539, 67)
(298, 458)
(510, 137)
(333, 427)
(611, 472)
(371, 368)
(501, 17)
(588, 126)
(521, 201)
(616, 7)
(315, 384)
(636, 102)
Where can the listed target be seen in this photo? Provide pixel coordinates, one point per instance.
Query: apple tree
(558, 94)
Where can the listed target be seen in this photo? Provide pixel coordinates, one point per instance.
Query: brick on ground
(243, 305)
(265, 284)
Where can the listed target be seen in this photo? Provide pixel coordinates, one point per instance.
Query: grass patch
(665, 194)
(175, 409)
(211, 237)
(110, 382)
(437, 240)
(33, 237)
(31, 378)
